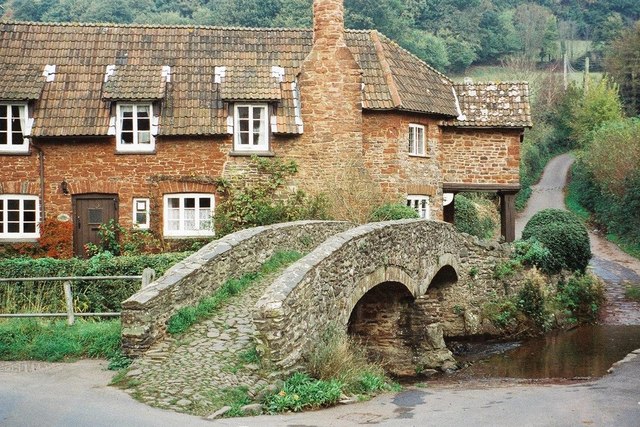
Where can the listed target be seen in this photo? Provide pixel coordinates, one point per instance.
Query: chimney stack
(328, 22)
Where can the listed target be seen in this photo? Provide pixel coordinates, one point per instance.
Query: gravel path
(193, 372)
(609, 263)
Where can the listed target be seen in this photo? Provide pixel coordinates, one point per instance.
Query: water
(587, 351)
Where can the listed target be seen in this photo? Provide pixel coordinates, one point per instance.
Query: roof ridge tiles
(137, 25)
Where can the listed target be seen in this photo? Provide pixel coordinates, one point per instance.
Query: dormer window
(13, 124)
(133, 128)
(251, 131)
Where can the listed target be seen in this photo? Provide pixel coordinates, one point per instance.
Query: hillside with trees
(449, 34)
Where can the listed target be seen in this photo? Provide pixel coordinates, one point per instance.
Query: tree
(622, 63)
(532, 23)
(599, 105)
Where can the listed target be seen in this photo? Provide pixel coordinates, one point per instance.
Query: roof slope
(502, 104)
(193, 102)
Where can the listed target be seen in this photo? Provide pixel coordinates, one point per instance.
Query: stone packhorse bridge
(398, 285)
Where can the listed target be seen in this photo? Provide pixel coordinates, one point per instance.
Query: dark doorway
(89, 212)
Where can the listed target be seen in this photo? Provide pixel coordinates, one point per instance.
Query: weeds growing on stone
(184, 318)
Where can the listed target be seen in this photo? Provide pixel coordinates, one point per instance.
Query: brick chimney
(330, 150)
(328, 22)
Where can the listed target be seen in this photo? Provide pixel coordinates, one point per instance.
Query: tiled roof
(75, 103)
(135, 82)
(21, 81)
(502, 104)
(250, 83)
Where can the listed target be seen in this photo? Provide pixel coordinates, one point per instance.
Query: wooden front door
(90, 211)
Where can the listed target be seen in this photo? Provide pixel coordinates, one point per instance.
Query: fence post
(69, 299)
(148, 276)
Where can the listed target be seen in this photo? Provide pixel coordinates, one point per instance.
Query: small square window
(13, 123)
(141, 213)
(133, 129)
(420, 204)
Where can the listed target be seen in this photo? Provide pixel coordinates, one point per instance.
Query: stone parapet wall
(145, 314)
(324, 286)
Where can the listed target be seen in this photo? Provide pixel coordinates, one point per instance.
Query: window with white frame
(19, 217)
(141, 213)
(13, 123)
(416, 140)
(188, 215)
(420, 204)
(133, 128)
(251, 132)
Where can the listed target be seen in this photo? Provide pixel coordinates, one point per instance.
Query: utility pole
(586, 74)
(565, 71)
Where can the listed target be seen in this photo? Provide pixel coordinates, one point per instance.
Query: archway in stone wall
(393, 329)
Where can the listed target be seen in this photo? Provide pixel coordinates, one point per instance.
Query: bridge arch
(325, 286)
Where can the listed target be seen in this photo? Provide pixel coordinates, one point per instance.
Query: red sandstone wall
(386, 151)
(480, 156)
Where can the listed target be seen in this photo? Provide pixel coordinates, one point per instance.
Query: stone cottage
(137, 122)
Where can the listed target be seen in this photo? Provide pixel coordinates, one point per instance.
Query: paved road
(77, 394)
(609, 263)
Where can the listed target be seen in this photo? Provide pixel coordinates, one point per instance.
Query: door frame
(90, 196)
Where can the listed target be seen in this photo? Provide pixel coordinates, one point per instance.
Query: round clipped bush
(392, 211)
(564, 235)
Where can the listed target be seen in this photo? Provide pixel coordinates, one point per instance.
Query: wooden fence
(148, 275)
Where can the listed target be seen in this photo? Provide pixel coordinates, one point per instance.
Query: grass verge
(184, 318)
(54, 341)
(632, 292)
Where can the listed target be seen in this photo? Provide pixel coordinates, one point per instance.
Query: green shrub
(502, 312)
(581, 296)
(301, 391)
(468, 218)
(392, 211)
(564, 235)
(89, 296)
(531, 252)
(531, 302)
(264, 201)
(506, 269)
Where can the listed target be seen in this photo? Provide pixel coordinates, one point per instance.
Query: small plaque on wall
(63, 218)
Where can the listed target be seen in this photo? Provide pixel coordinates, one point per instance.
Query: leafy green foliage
(89, 296)
(468, 218)
(621, 63)
(264, 202)
(599, 104)
(117, 240)
(531, 302)
(392, 211)
(501, 313)
(22, 339)
(564, 236)
(300, 391)
(185, 317)
(531, 252)
(581, 296)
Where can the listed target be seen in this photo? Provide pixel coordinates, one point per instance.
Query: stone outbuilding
(137, 123)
